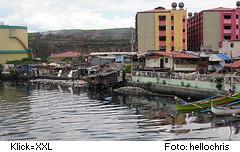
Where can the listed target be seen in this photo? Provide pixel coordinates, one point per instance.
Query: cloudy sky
(44, 15)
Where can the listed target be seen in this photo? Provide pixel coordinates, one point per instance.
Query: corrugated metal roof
(110, 53)
(224, 57)
(69, 54)
(234, 65)
(175, 55)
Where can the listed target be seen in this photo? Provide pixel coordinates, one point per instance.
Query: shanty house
(174, 61)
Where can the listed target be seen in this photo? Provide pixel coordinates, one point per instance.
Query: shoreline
(73, 83)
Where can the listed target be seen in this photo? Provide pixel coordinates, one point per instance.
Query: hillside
(84, 41)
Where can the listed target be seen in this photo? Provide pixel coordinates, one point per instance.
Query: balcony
(227, 21)
(228, 31)
(162, 33)
(162, 23)
(185, 67)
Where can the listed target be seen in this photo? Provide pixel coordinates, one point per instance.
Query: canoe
(204, 104)
(225, 110)
(235, 104)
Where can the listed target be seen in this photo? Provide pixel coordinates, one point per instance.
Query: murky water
(34, 112)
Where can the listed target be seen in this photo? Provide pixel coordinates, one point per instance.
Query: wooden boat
(225, 110)
(206, 103)
(235, 104)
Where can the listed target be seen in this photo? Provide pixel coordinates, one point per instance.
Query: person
(231, 92)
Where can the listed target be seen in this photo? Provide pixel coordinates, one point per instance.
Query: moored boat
(225, 110)
(206, 103)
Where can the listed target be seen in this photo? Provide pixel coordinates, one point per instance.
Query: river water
(44, 112)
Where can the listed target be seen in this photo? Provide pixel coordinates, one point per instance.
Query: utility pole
(132, 40)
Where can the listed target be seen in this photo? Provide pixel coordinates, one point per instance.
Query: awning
(219, 57)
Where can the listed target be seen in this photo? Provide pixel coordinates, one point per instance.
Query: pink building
(207, 29)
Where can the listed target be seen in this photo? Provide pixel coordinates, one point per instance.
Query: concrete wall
(211, 30)
(100, 61)
(13, 39)
(152, 62)
(13, 43)
(11, 57)
(231, 51)
(146, 32)
(174, 82)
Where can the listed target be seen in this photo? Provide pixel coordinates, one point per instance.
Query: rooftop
(109, 53)
(218, 9)
(69, 54)
(233, 65)
(174, 54)
(156, 10)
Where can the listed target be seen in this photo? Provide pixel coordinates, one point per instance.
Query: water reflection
(45, 112)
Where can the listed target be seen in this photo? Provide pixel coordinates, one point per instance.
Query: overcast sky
(44, 15)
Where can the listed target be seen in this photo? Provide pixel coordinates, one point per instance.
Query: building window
(162, 38)
(166, 60)
(183, 30)
(172, 18)
(172, 49)
(172, 27)
(227, 27)
(227, 37)
(237, 37)
(12, 32)
(162, 48)
(236, 26)
(184, 20)
(162, 18)
(231, 45)
(227, 17)
(184, 40)
(162, 28)
(172, 38)
(237, 16)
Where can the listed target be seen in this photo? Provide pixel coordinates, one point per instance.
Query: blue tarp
(224, 57)
(119, 59)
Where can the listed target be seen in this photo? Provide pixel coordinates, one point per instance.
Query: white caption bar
(119, 146)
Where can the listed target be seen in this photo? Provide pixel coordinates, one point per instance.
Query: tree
(128, 68)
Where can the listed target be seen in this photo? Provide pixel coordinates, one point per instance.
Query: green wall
(174, 82)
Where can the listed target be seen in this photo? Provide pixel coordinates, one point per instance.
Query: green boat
(204, 104)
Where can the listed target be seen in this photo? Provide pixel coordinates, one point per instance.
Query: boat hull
(205, 104)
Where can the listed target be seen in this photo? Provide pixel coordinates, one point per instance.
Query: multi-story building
(231, 48)
(161, 29)
(13, 43)
(207, 29)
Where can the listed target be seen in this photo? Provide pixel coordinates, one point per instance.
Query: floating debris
(74, 83)
(132, 91)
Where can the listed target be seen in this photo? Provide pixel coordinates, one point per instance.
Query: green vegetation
(164, 82)
(84, 41)
(219, 86)
(149, 84)
(128, 68)
(182, 83)
(234, 87)
(188, 85)
(219, 81)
